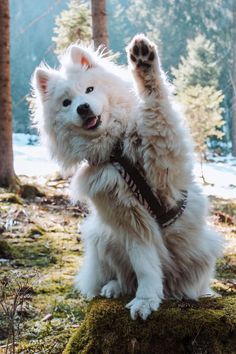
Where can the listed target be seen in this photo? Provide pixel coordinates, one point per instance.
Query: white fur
(126, 252)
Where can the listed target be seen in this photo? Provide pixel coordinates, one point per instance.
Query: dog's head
(82, 95)
(82, 104)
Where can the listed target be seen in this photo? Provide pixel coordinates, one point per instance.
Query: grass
(40, 244)
(39, 239)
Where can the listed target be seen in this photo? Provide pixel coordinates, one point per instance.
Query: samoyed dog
(83, 110)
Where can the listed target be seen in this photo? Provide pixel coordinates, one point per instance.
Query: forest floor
(40, 251)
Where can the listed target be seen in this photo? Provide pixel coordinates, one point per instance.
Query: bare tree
(7, 174)
(99, 23)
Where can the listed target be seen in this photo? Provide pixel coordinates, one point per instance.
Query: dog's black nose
(83, 109)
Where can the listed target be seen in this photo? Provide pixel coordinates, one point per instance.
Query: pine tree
(196, 80)
(72, 25)
(199, 67)
(203, 112)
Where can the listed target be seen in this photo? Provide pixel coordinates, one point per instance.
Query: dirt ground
(40, 250)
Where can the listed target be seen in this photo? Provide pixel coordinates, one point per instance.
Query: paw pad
(142, 52)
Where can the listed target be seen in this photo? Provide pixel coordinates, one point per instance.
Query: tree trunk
(99, 23)
(233, 38)
(7, 175)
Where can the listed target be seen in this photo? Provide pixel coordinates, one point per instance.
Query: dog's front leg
(147, 267)
(90, 278)
(160, 124)
(95, 271)
(145, 66)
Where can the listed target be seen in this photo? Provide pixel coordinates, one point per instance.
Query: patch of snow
(229, 159)
(34, 160)
(21, 139)
(31, 160)
(220, 178)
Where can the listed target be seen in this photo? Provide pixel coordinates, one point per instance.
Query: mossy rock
(207, 326)
(30, 191)
(5, 249)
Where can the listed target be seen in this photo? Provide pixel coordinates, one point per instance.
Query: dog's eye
(66, 102)
(89, 89)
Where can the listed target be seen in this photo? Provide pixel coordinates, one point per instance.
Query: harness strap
(143, 192)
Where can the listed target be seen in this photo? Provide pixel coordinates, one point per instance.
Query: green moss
(207, 326)
(30, 191)
(226, 206)
(10, 198)
(69, 309)
(4, 330)
(39, 254)
(226, 267)
(35, 230)
(51, 344)
(51, 286)
(5, 249)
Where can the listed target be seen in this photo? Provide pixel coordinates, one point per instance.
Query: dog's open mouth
(92, 122)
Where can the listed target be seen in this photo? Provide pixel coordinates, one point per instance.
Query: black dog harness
(143, 192)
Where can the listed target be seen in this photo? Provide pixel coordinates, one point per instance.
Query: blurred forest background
(40, 241)
(196, 42)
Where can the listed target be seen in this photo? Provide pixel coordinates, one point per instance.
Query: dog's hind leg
(111, 290)
(117, 258)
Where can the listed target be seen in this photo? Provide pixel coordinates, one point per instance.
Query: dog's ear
(41, 78)
(82, 57)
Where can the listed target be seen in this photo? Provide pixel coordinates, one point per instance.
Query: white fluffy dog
(83, 109)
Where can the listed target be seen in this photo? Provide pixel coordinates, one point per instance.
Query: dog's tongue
(91, 122)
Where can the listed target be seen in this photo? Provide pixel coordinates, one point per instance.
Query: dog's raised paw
(142, 307)
(111, 289)
(141, 52)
